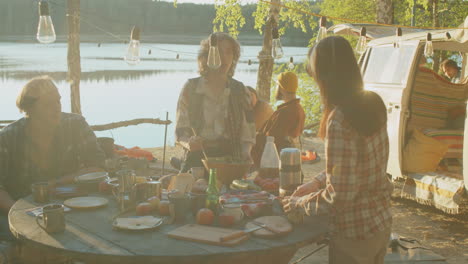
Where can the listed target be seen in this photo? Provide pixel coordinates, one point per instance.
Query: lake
(112, 90)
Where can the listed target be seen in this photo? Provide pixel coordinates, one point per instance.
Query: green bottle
(212, 193)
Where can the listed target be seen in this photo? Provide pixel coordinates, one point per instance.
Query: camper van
(426, 111)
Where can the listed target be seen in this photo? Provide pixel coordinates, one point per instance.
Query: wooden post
(73, 57)
(266, 61)
(436, 23)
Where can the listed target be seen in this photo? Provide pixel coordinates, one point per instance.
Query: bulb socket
(275, 33)
(448, 35)
(363, 32)
(177, 57)
(429, 37)
(323, 21)
(291, 60)
(44, 8)
(213, 40)
(135, 35)
(250, 62)
(399, 32)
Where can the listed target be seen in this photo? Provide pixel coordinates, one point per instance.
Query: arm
(6, 202)
(342, 181)
(248, 132)
(183, 128)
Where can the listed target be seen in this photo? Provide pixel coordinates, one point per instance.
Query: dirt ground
(446, 235)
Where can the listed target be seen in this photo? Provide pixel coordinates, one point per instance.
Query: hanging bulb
(322, 33)
(428, 48)
(45, 28)
(448, 36)
(397, 43)
(99, 45)
(133, 51)
(250, 62)
(362, 42)
(177, 57)
(214, 59)
(277, 48)
(149, 52)
(291, 64)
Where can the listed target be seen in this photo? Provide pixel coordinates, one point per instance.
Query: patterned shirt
(356, 190)
(214, 114)
(74, 147)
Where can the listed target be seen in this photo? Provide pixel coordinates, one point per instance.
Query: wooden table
(89, 237)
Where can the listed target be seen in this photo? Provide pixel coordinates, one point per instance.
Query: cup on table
(53, 218)
(127, 180)
(197, 202)
(198, 172)
(181, 202)
(233, 210)
(40, 192)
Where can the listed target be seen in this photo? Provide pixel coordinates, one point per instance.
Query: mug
(53, 218)
(181, 204)
(234, 210)
(40, 192)
(127, 179)
(197, 172)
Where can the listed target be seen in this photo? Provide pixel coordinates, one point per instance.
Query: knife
(263, 225)
(239, 234)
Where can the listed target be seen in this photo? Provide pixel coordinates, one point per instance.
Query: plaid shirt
(356, 191)
(74, 147)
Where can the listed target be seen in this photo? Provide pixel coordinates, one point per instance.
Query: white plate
(137, 223)
(91, 177)
(88, 202)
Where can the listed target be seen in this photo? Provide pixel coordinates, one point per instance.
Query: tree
(385, 11)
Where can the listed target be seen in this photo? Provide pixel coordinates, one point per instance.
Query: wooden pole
(73, 57)
(266, 61)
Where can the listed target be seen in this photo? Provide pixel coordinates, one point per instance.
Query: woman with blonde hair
(215, 111)
(44, 146)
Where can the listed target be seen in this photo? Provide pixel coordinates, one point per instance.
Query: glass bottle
(45, 28)
(212, 193)
(133, 52)
(270, 162)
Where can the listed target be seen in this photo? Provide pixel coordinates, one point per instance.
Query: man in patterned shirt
(44, 146)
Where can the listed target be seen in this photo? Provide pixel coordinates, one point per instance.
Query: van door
(387, 72)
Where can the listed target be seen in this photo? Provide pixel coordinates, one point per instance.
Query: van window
(389, 65)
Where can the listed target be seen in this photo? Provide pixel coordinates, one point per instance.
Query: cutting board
(278, 223)
(206, 234)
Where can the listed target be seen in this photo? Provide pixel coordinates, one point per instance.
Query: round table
(89, 237)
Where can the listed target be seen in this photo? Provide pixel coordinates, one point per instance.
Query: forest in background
(160, 22)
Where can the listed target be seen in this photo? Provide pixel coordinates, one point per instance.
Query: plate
(91, 177)
(88, 202)
(137, 223)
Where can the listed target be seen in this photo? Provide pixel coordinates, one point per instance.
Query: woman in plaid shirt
(354, 189)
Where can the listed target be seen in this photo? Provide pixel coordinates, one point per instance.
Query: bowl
(227, 172)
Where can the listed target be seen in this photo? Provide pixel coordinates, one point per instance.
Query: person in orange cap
(287, 122)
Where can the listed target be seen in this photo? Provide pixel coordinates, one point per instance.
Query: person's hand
(289, 203)
(307, 188)
(195, 144)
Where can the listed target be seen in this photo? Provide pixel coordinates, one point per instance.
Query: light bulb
(214, 58)
(291, 64)
(177, 57)
(362, 42)
(133, 51)
(277, 48)
(428, 48)
(45, 28)
(398, 40)
(322, 33)
(250, 62)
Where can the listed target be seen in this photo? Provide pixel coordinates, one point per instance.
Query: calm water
(113, 91)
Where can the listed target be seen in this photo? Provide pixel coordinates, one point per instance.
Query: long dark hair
(333, 65)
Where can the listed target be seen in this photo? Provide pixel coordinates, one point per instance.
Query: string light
(133, 51)
(291, 64)
(428, 47)
(397, 43)
(99, 45)
(277, 48)
(149, 52)
(250, 62)
(177, 56)
(322, 33)
(45, 28)
(362, 42)
(214, 58)
(448, 36)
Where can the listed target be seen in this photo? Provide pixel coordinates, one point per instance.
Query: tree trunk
(266, 61)
(385, 11)
(74, 64)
